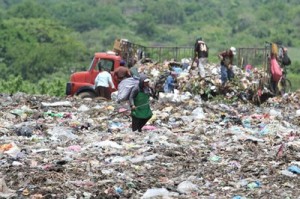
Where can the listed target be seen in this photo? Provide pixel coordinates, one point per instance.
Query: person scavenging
(121, 72)
(139, 100)
(226, 63)
(170, 83)
(102, 83)
(201, 53)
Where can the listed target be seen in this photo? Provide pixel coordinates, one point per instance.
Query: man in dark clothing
(140, 104)
(226, 58)
(201, 52)
(121, 72)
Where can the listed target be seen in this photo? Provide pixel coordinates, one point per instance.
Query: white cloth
(104, 79)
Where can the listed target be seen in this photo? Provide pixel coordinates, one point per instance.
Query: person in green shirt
(139, 100)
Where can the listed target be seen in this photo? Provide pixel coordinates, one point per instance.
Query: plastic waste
(107, 143)
(75, 148)
(155, 192)
(6, 192)
(198, 113)
(149, 128)
(54, 104)
(214, 158)
(275, 113)
(187, 187)
(142, 158)
(254, 185)
(49, 113)
(25, 131)
(247, 123)
(83, 108)
(288, 173)
(118, 190)
(13, 151)
(298, 113)
(238, 197)
(62, 133)
(116, 159)
(6, 147)
(113, 125)
(294, 169)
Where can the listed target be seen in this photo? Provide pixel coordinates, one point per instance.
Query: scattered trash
(156, 192)
(25, 131)
(254, 185)
(5, 192)
(187, 187)
(191, 148)
(294, 169)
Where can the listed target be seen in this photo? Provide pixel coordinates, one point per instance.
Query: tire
(86, 94)
(285, 86)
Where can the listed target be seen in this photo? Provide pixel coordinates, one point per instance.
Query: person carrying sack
(139, 100)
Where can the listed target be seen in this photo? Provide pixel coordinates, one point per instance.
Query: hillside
(43, 40)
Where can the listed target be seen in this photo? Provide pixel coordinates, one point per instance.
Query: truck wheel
(86, 94)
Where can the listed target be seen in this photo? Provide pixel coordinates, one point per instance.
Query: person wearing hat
(226, 58)
(201, 53)
(139, 100)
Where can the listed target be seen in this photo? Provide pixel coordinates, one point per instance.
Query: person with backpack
(226, 63)
(102, 83)
(201, 53)
(139, 100)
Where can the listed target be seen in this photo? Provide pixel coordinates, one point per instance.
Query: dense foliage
(41, 41)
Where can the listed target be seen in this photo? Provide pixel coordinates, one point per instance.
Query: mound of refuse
(54, 147)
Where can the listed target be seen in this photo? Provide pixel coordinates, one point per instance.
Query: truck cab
(82, 83)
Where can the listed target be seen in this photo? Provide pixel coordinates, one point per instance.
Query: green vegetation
(42, 41)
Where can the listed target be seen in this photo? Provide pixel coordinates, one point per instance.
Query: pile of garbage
(247, 83)
(54, 147)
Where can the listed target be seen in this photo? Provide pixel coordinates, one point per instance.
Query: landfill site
(203, 141)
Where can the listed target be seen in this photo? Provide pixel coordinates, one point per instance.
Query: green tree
(28, 9)
(83, 17)
(166, 12)
(145, 25)
(35, 48)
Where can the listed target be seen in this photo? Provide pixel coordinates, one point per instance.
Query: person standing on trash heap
(121, 72)
(226, 58)
(139, 100)
(102, 83)
(170, 82)
(201, 54)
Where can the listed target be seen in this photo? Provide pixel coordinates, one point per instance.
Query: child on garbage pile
(170, 83)
(139, 100)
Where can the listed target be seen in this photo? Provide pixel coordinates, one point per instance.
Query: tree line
(42, 41)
